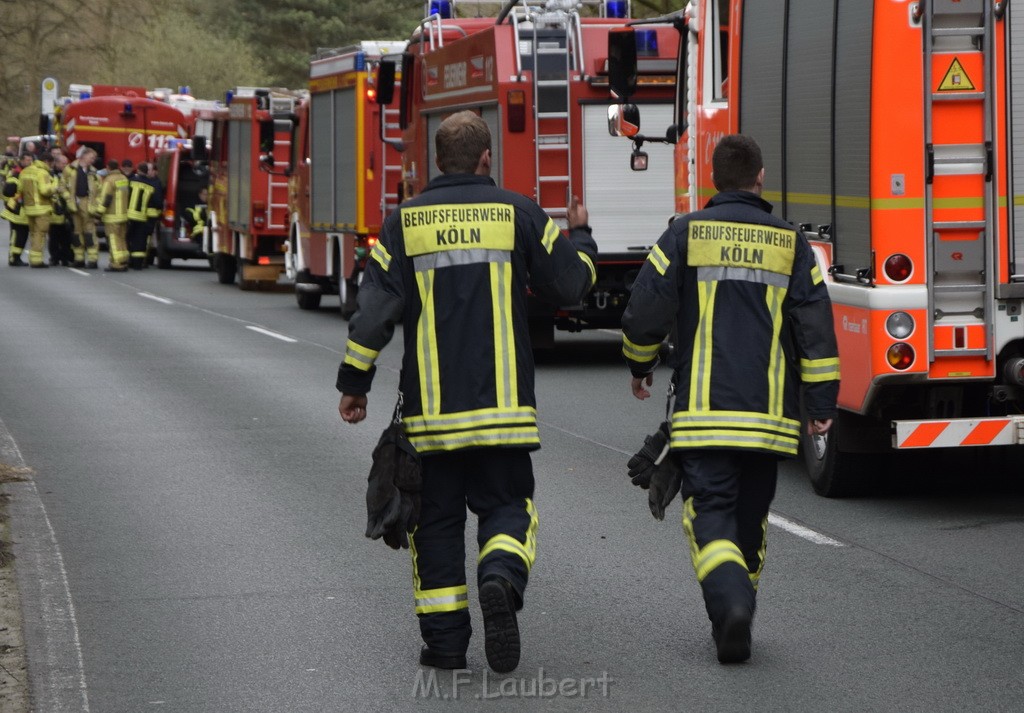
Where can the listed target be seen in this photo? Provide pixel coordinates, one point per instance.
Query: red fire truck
(119, 122)
(890, 136)
(344, 177)
(537, 75)
(248, 203)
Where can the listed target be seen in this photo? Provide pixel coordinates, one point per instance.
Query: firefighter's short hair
(736, 163)
(460, 141)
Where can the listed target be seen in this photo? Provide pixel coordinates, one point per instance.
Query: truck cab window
(716, 59)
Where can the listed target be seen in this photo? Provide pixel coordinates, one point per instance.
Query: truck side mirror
(622, 67)
(200, 152)
(405, 100)
(385, 81)
(623, 120)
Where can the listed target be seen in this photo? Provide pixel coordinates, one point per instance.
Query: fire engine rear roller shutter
(1015, 111)
(613, 192)
(346, 148)
(761, 87)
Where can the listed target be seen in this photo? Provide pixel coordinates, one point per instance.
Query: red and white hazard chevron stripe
(950, 433)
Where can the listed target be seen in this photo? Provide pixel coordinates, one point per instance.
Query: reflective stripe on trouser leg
(19, 239)
(137, 239)
(116, 242)
(438, 548)
(500, 492)
(711, 487)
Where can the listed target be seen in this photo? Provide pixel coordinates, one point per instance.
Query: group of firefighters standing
(45, 196)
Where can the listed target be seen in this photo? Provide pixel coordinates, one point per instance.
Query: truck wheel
(308, 300)
(226, 268)
(834, 472)
(542, 332)
(347, 291)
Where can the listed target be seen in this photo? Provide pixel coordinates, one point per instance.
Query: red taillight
(898, 267)
(168, 218)
(517, 110)
(371, 241)
(371, 94)
(263, 260)
(900, 356)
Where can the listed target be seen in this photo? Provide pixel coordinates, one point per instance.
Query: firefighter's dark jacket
(754, 323)
(454, 263)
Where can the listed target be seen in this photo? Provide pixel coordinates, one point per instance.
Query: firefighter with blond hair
(455, 263)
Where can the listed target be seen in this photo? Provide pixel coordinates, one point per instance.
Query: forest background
(207, 45)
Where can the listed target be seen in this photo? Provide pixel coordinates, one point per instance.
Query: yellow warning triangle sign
(956, 79)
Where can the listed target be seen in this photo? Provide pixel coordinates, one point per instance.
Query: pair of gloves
(393, 489)
(653, 470)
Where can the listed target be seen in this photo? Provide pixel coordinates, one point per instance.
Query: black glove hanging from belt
(653, 468)
(393, 487)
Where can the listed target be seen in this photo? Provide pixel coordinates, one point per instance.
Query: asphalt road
(193, 537)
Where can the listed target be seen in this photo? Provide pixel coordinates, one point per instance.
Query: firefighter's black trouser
(138, 239)
(497, 485)
(60, 243)
(726, 496)
(19, 239)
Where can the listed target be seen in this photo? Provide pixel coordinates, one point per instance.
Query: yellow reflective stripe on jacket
(700, 371)
(476, 438)
(431, 601)
(816, 277)
(658, 259)
(426, 346)
(590, 266)
(716, 553)
(381, 255)
(735, 438)
(470, 419)
(735, 419)
(359, 356)
(551, 233)
(813, 370)
(639, 352)
(775, 296)
(505, 372)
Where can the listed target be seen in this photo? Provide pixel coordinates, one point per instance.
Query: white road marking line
(78, 272)
(616, 332)
(155, 298)
(56, 684)
(801, 531)
(275, 335)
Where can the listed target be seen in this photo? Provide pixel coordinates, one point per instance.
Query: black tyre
(847, 459)
(307, 300)
(348, 289)
(226, 267)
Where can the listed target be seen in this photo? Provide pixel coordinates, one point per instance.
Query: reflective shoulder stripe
(590, 266)
(359, 356)
(658, 259)
(639, 352)
(814, 370)
(551, 233)
(381, 255)
(816, 277)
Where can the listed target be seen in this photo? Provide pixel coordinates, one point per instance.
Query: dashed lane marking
(275, 335)
(75, 270)
(155, 298)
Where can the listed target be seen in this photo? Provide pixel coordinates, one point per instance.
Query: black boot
(441, 659)
(501, 630)
(732, 636)
(15, 261)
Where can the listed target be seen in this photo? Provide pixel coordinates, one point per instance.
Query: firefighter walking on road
(754, 326)
(455, 263)
(112, 207)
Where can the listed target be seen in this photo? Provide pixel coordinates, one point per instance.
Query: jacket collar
(459, 179)
(740, 197)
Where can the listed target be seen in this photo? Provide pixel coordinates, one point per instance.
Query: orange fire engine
(537, 75)
(889, 137)
(119, 122)
(344, 178)
(248, 203)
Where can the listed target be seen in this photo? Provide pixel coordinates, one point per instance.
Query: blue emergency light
(615, 8)
(228, 96)
(85, 95)
(442, 8)
(647, 43)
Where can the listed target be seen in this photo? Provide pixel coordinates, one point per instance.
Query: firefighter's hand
(576, 213)
(818, 427)
(637, 385)
(352, 408)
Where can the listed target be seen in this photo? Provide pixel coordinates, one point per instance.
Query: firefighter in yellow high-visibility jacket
(112, 207)
(14, 211)
(83, 187)
(38, 186)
